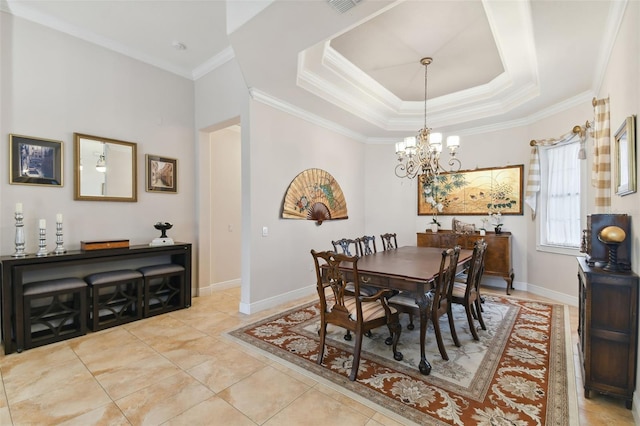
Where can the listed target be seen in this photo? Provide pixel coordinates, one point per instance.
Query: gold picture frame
(161, 174)
(625, 157)
(475, 192)
(35, 161)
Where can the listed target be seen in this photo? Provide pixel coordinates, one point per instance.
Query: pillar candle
(59, 218)
(43, 224)
(18, 207)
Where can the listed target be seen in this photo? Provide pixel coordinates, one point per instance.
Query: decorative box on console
(597, 251)
(101, 245)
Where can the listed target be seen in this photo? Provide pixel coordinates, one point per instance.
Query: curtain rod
(577, 129)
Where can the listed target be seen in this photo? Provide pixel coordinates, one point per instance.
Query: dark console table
(16, 272)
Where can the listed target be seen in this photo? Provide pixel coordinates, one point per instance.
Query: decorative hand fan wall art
(314, 195)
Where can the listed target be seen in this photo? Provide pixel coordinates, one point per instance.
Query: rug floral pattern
(515, 375)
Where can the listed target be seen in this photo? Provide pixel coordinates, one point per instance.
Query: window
(561, 206)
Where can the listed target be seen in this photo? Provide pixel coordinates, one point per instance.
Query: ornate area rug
(519, 373)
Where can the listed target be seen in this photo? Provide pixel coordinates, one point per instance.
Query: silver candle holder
(19, 236)
(42, 243)
(59, 244)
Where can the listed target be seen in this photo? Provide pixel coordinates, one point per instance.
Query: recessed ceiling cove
(484, 63)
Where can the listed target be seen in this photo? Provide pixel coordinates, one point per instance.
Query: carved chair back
(346, 246)
(367, 244)
(389, 241)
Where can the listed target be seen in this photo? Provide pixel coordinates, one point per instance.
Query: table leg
(425, 366)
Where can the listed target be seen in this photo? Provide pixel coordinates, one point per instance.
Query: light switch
(265, 231)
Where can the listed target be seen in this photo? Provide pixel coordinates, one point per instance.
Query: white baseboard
(249, 308)
(211, 288)
(634, 411)
(554, 295)
(272, 302)
(498, 283)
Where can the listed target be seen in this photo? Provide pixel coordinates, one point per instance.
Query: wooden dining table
(409, 269)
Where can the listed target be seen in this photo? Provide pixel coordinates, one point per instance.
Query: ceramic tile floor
(177, 369)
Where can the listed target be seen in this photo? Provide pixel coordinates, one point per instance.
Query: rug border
(572, 396)
(572, 388)
(326, 382)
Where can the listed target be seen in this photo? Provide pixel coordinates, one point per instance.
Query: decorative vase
(434, 227)
(482, 232)
(498, 230)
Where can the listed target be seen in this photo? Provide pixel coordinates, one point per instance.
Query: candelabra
(19, 235)
(42, 244)
(59, 243)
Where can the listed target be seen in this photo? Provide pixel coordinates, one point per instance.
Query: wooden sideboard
(498, 261)
(16, 272)
(608, 330)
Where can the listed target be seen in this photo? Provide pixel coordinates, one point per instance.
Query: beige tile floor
(177, 369)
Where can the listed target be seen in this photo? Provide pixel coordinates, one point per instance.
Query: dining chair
(389, 241)
(367, 244)
(347, 246)
(438, 298)
(467, 292)
(357, 313)
(351, 247)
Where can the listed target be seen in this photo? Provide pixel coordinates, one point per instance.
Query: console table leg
(509, 281)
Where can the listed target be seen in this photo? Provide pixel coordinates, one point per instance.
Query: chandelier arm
(406, 169)
(453, 161)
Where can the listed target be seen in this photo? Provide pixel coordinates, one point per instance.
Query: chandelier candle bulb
(59, 218)
(18, 208)
(43, 224)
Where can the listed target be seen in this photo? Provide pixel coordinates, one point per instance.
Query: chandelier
(420, 154)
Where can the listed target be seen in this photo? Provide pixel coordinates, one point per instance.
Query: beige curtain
(601, 170)
(533, 177)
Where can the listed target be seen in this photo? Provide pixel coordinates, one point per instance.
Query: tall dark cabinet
(608, 330)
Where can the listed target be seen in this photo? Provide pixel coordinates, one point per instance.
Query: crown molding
(326, 73)
(616, 14)
(23, 11)
(217, 61)
(295, 111)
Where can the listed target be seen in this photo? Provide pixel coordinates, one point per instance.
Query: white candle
(18, 207)
(43, 224)
(59, 218)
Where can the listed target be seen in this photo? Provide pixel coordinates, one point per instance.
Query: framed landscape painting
(162, 174)
(475, 192)
(35, 161)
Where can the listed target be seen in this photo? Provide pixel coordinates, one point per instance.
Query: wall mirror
(105, 169)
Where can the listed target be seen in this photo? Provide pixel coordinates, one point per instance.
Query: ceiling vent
(343, 5)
